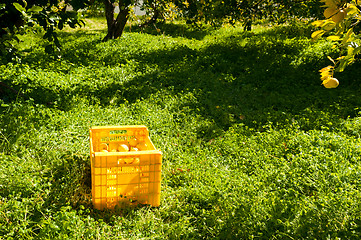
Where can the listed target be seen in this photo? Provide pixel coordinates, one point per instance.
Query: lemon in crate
(125, 167)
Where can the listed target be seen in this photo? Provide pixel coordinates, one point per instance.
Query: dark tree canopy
(51, 15)
(247, 11)
(17, 15)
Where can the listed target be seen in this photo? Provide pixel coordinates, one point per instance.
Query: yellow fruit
(104, 150)
(339, 16)
(330, 83)
(103, 146)
(123, 148)
(133, 142)
(112, 147)
(134, 149)
(142, 146)
(329, 12)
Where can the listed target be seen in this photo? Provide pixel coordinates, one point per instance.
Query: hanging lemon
(330, 83)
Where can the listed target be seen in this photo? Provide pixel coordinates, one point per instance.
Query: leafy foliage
(16, 17)
(217, 12)
(341, 26)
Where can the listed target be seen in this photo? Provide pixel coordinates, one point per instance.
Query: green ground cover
(253, 146)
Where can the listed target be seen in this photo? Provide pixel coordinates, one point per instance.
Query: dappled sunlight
(252, 143)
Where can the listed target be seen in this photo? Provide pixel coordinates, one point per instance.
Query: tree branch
(10, 88)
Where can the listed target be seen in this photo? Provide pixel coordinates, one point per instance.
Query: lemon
(133, 142)
(330, 83)
(133, 149)
(103, 146)
(104, 150)
(142, 146)
(123, 148)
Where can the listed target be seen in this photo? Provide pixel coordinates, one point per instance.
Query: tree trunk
(115, 26)
(248, 26)
(157, 14)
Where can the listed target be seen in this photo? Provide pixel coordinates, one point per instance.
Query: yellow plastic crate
(122, 176)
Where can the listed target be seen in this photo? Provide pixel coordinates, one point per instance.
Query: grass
(253, 146)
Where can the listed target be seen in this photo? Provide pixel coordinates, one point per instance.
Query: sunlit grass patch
(253, 146)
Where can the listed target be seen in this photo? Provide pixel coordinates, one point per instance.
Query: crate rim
(119, 127)
(104, 154)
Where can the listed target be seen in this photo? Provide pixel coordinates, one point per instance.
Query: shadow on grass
(71, 186)
(199, 32)
(71, 182)
(249, 79)
(172, 29)
(252, 84)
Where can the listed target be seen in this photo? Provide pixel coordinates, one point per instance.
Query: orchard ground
(253, 146)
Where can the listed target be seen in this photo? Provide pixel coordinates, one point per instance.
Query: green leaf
(348, 35)
(317, 34)
(319, 23)
(19, 7)
(343, 65)
(328, 25)
(357, 50)
(352, 10)
(330, 58)
(333, 38)
(35, 9)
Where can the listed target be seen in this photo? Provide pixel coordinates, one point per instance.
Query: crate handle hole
(118, 132)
